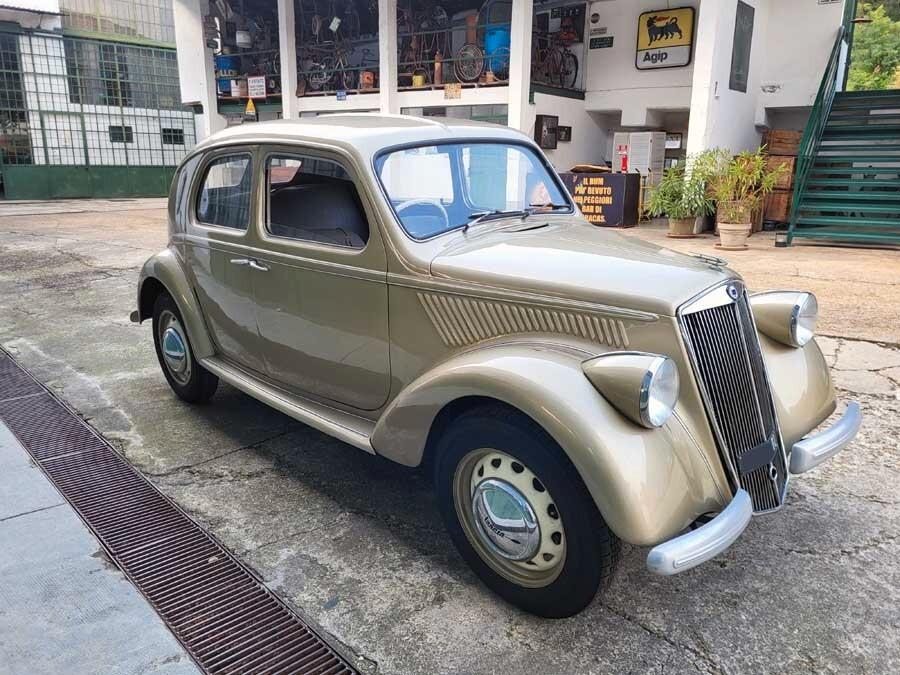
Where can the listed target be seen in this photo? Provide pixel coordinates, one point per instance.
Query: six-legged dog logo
(663, 28)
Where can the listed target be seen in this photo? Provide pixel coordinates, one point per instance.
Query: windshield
(437, 188)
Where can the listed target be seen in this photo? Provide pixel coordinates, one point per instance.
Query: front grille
(725, 353)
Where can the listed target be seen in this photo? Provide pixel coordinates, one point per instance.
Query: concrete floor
(64, 607)
(356, 544)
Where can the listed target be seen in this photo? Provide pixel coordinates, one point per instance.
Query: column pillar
(387, 57)
(287, 46)
(520, 64)
(196, 71)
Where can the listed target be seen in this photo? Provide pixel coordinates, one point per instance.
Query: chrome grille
(724, 349)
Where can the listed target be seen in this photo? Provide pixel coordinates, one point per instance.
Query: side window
(314, 199)
(224, 199)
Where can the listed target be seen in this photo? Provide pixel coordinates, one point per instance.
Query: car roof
(366, 133)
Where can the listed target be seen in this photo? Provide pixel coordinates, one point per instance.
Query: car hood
(571, 259)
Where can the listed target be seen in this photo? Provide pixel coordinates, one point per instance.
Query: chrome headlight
(643, 387)
(804, 318)
(787, 316)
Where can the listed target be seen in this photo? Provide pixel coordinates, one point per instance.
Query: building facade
(709, 73)
(89, 99)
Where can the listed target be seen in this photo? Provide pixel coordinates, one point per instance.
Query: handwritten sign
(256, 86)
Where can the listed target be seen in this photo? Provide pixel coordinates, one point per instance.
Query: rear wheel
(519, 513)
(191, 381)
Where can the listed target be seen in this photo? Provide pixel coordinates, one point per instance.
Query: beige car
(427, 291)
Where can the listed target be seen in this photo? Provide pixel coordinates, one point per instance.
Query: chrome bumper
(813, 450)
(707, 541)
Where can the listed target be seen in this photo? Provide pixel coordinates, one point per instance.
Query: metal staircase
(848, 168)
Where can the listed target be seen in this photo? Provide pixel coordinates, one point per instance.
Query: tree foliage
(875, 62)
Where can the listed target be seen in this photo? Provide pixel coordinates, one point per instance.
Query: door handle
(240, 261)
(258, 266)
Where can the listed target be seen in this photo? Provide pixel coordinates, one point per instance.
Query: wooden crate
(782, 141)
(786, 180)
(778, 205)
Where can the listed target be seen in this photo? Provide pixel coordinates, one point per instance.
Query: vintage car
(426, 290)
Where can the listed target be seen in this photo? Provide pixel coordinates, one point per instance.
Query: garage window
(224, 199)
(173, 136)
(314, 199)
(121, 134)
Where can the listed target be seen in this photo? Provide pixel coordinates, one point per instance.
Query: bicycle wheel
(499, 63)
(568, 72)
(468, 63)
(348, 78)
(320, 74)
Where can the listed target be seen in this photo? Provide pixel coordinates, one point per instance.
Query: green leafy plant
(738, 183)
(875, 63)
(680, 195)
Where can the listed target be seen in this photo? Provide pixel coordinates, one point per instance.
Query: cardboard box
(782, 141)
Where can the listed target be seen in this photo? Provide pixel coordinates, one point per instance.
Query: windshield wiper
(482, 216)
(549, 206)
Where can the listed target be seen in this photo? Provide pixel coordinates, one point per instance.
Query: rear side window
(314, 199)
(224, 198)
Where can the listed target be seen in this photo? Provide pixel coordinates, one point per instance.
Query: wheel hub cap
(174, 350)
(505, 520)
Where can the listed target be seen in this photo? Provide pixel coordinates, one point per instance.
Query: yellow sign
(665, 38)
(250, 110)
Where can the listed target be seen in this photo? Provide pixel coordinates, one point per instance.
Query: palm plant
(681, 195)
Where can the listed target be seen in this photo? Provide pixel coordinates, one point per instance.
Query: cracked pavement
(356, 545)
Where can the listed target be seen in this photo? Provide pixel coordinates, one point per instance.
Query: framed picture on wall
(545, 127)
(563, 133)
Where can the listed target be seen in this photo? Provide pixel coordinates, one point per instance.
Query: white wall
(590, 139)
(614, 83)
(800, 37)
(722, 117)
(196, 74)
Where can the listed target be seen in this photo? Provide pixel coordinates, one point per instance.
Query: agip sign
(665, 38)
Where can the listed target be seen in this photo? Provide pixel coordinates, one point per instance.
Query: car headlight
(787, 316)
(643, 387)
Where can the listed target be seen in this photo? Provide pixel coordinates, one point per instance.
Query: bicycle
(552, 61)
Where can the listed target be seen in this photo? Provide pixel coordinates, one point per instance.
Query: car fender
(166, 268)
(801, 386)
(648, 484)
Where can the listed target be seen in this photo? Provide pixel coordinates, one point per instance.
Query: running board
(349, 428)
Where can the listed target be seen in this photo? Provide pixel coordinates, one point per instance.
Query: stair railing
(834, 77)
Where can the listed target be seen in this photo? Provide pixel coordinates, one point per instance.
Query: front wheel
(519, 513)
(191, 381)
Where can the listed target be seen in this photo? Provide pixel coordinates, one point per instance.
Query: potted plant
(681, 197)
(738, 184)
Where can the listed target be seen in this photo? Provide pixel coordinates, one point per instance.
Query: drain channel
(227, 620)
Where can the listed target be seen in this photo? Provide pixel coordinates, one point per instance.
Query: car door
(319, 280)
(219, 241)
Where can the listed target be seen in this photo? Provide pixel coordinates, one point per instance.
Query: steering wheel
(426, 202)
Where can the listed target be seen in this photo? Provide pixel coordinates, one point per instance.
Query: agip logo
(665, 38)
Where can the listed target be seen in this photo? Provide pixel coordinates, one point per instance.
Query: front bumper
(711, 539)
(813, 450)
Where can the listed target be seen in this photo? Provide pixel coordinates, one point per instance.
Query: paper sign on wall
(256, 86)
(665, 38)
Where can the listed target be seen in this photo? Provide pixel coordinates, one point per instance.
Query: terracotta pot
(681, 228)
(733, 236)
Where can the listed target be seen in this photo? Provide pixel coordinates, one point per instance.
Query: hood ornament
(710, 259)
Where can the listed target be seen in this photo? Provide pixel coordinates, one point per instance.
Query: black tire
(199, 385)
(592, 550)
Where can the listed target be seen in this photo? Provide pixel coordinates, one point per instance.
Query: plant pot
(681, 228)
(733, 236)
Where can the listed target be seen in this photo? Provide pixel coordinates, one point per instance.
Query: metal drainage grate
(222, 614)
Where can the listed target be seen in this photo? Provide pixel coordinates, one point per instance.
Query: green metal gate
(88, 118)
